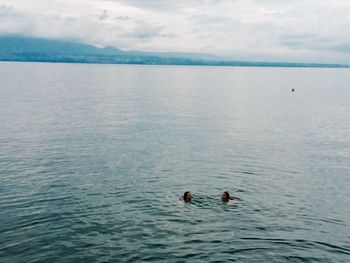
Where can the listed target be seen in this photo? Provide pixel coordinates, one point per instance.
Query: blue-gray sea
(94, 160)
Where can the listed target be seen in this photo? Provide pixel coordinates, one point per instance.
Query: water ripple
(94, 160)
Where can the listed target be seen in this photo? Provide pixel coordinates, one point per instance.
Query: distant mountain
(191, 55)
(20, 48)
(21, 45)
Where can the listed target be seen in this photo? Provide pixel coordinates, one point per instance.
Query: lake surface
(94, 160)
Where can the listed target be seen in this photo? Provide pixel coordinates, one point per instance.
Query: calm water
(94, 159)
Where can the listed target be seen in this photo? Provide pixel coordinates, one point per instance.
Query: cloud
(6, 10)
(298, 29)
(146, 30)
(122, 18)
(104, 15)
(166, 5)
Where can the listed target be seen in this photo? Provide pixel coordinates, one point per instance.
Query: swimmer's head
(187, 196)
(225, 197)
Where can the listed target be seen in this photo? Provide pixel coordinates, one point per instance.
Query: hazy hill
(18, 44)
(20, 48)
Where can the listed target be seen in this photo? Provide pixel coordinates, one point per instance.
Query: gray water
(94, 160)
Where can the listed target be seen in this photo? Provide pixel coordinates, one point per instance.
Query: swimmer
(187, 196)
(225, 197)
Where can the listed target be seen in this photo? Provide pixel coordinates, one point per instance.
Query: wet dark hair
(185, 195)
(227, 195)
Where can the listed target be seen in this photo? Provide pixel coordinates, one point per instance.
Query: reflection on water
(94, 160)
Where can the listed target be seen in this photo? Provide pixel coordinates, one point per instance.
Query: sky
(253, 30)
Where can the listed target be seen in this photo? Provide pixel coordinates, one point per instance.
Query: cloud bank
(274, 30)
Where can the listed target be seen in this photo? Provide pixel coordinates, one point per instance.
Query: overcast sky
(272, 30)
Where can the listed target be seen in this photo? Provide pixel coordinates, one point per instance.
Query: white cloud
(299, 30)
